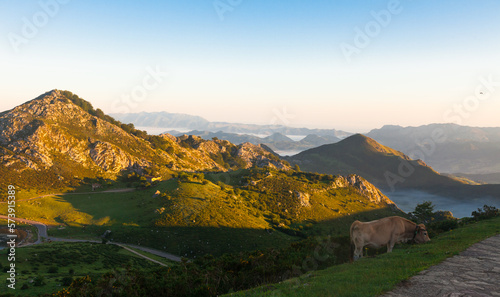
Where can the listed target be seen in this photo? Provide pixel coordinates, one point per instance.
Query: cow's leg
(390, 245)
(358, 252)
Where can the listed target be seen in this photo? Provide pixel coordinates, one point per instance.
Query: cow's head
(421, 235)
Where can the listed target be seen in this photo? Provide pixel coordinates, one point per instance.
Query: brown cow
(387, 231)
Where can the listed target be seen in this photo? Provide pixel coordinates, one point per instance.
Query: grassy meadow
(364, 277)
(49, 267)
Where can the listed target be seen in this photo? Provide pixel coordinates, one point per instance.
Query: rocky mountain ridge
(51, 140)
(277, 141)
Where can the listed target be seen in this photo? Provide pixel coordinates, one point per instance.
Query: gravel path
(474, 272)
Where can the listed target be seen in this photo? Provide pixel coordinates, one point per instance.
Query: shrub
(67, 280)
(485, 213)
(439, 227)
(53, 269)
(39, 281)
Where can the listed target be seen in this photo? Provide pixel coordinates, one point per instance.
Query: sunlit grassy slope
(196, 214)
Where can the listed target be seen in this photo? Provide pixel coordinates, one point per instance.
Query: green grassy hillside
(404, 262)
(50, 267)
(195, 214)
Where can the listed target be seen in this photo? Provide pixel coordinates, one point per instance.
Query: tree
(296, 167)
(424, 212)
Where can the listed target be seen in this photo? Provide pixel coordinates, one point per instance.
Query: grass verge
(374, 276)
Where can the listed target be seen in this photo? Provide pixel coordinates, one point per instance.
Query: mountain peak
(362, 142)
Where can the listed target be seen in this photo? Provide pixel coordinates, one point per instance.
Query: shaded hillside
(58, 139)
(387, 168)
(381, 165)
(446, 147)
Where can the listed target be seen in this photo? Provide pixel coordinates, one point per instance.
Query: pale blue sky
(260, 61)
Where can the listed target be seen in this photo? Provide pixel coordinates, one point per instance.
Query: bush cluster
(210, 276)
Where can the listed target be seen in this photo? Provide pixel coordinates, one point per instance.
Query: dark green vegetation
(45, 268)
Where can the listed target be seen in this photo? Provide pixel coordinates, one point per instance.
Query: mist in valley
(408, 200)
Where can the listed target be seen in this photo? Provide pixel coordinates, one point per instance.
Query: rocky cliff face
(259, 156)
(50, 129)
(245, 155)
(365, 188)
(362, 186)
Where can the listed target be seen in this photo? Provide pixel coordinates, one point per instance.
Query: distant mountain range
(171, 121)
(446, 147)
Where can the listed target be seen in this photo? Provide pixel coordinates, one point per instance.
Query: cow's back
(376, 233)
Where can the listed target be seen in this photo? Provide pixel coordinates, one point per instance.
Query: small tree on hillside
(424, 212)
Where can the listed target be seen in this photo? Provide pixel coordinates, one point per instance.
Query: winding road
(42, 229)
(42, 233)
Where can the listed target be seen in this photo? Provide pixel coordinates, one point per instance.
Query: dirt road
(42, 228)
